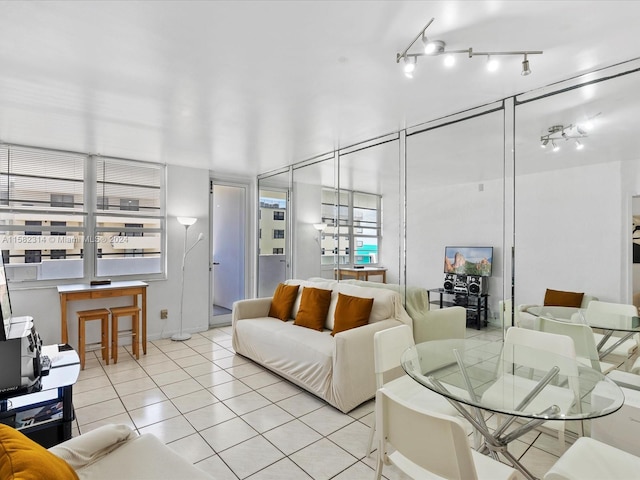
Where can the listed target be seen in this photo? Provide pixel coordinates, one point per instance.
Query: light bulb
(579, 145)
(449, 61)
(492, 64)
(409, 65)
(555, 146)
(544, 143)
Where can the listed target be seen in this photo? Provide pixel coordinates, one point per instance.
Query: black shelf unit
(477, 306)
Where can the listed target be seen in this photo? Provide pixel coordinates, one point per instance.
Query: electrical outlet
(164, 314)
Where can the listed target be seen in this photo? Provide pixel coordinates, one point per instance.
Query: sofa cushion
(22, 458)
(559, 298)
(384, 305)
(351, 312)
(282, 302)
(314, 306)
(326, 285)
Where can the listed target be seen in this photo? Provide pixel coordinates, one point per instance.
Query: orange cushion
(282, 302)
(558, 298)
(351, 312)
(23, 459)
(314, 306)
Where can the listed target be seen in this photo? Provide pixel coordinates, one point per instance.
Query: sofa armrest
(353, 364)
(439, 324)
(250, 308)
(91, 446)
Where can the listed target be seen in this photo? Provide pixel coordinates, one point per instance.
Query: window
(278, 251)
(42, 194)
(129, 220)
(278, 215)
(278, 233)
(354, 227)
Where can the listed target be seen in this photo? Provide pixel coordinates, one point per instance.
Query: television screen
(5, 303)
(468, 260)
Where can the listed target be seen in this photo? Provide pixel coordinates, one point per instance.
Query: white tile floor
(236, 420)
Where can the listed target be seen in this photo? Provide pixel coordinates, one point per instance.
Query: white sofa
(117, 452)
(338, 369)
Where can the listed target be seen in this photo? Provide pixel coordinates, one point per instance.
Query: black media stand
(477, 305)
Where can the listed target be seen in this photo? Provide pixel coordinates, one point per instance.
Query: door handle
(216, 263)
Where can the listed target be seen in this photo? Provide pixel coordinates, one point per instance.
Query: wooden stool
(129, 311)
(84, 316)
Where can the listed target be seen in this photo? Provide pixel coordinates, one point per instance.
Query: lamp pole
(187, 222)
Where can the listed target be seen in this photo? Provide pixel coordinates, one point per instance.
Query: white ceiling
(243, 87)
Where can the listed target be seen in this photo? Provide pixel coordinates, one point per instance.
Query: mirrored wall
(418, 204)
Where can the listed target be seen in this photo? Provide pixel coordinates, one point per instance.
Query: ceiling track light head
(526, 70)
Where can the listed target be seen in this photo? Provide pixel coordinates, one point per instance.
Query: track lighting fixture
(569, 132)
(438, 47)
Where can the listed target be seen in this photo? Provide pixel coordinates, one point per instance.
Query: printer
(20, 352)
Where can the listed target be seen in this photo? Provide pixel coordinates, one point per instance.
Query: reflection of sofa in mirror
(527, 319)
(428, 324)
(340, 368)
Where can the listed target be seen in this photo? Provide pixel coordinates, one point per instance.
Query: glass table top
(605, 321)
(513, 380)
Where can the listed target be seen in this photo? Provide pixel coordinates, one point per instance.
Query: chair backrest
(582, 335)
(596, 306)
(561, 348)
(435, 442)
(388, 346)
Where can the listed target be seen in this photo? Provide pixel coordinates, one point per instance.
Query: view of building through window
(44, 232)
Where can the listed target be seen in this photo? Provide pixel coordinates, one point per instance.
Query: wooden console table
(69, 293)
(360, 273)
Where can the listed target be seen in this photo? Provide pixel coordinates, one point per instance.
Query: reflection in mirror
(635, 245)
(310, 183)
(368, 216)
(573, 206)
(273, 232)
(455, 198)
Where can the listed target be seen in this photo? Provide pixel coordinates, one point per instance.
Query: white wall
(455, 215)
(307, 200)
(187, 195)
(568, 233)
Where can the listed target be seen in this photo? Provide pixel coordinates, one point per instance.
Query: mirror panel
(273, 232)
(574, 207)
(312, 205)
(370, 217)
(455, 198)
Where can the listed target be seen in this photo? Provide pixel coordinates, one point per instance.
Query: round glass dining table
(519, 382)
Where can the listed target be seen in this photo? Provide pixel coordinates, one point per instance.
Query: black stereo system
(469, 284)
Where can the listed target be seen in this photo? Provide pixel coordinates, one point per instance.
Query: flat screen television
(468, 260)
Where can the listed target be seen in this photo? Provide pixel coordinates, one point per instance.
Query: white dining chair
(627, 348)
(522, 347)
(426, 444)
(589, 459)
(388, 346)
(583, 341)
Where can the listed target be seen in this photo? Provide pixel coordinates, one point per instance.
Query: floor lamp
(187, 222)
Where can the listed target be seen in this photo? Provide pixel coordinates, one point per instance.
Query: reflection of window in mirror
(635, 274)
(359, 218)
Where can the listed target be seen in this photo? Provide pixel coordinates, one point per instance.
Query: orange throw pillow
(351, 312)
(22, 458)
(314, 306)
(282, 302)
(558, 298)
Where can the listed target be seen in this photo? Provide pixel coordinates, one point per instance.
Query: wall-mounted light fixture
(433, 48)
(569, 132)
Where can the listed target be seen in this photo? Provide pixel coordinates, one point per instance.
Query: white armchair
(524, 319)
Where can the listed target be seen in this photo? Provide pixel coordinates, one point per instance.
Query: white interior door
(228, 249)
